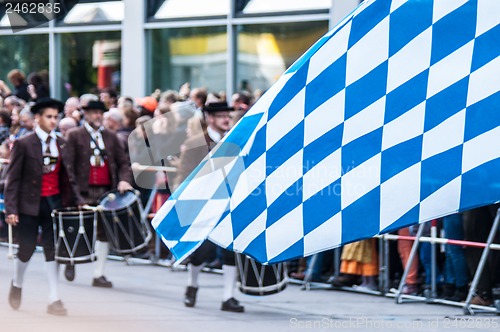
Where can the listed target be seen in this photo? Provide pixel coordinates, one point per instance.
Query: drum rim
(115, 191)
(75, 212)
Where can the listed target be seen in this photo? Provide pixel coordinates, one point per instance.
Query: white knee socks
(101, 250)
(229, 281)
(52, 269)
(194, 272)
(19, 270)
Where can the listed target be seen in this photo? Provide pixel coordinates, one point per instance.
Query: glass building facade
(140, 46)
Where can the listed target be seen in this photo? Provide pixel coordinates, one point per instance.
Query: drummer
(38, 177)
(100, 164)
(217, 116)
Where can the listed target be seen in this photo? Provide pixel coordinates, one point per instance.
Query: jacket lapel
(37, 152)
(85, 140)
(61, 145)
(107, 144)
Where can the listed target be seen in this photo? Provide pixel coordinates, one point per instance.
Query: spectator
(86, 98)
(241, 103)
(477, 226)
(113, 120)
(169, 97)
(14, 122)
(18, 80)
(72, 108)
(425, 254)
(183, 111)
(66, 124)
(26, 121)
(456, 272)
(37, 88)
(129, 122)
(359, 259)
(199, 97)
(146, 105)
(12, 102)
(125, 104)
(4, 125)
(109, 97)
(404, 249)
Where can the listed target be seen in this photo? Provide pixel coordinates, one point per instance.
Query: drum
(258, 279)
(125, 227)
(74, 235)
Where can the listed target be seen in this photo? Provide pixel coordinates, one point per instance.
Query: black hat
(95, 105)
(44, 103)
(213, 107)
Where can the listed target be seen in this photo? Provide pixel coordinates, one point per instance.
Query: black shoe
(57, 308)
(232, 305)
(69, 272)
(190, 296)
(15, 296)
(448, 291)
(102, 282)
(344, 280)
(460, 294)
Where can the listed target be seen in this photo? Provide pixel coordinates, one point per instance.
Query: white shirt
(96, 134)
(215, 136)
(42, 135)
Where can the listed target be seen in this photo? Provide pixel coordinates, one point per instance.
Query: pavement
(149, 298)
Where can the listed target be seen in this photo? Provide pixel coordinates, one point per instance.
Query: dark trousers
(207, 253)
(92, 197)
(477, 226)
(28, 230)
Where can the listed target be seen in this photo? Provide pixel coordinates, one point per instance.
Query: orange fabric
(404, 248)
(365, 269)
(160, 198)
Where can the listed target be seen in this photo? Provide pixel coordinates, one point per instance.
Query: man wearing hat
(38, 178)
(147, 105)
(217, 116)
(100, 164)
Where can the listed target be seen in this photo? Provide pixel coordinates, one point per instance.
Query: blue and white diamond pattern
(388, 120)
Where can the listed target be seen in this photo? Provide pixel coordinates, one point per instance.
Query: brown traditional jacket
(79, 157)
(195, 149)
(23, 185)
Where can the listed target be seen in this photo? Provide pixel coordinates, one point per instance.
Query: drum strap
(102, 152)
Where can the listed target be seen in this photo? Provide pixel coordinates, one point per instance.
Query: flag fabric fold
(392, 118)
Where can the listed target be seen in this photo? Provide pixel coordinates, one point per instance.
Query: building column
(232, 50)
(133, 66)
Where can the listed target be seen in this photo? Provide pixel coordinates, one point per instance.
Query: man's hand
(12, 219)
(123, 186)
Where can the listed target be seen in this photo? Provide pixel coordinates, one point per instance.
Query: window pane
(29, 53)
(27, 14)
(266, 6)
(266, 51)
(196, 55)
(192, 8)
(90, 60)
(96, 12)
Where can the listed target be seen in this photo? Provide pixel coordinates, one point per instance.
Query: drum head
(113, 200)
